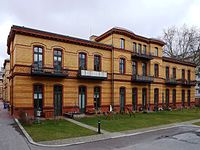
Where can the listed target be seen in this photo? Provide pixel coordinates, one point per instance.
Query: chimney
(93, 37)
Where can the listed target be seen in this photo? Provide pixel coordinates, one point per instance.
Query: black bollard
(99, 127)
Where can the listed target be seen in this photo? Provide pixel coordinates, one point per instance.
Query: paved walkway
(86, 126)
(10, 138)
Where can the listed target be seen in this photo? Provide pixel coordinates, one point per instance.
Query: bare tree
(182, 43)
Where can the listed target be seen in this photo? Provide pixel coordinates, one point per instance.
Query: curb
(30, 140)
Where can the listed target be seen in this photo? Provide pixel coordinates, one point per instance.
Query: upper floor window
(167, 72)
(174, 73)
(183, 74)
(134, 67)
(134, 47)
(97, 63)
(188, 75)
(156, 51)
(122, 65)
(139, 48)
(57, 59)
(144, 49)
(122, 43)
(156, 70)
(38, 56)
(144, 69)
(82, 61)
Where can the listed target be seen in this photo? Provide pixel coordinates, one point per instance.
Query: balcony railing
(171, 81)
(185, 82)
(140, 78)
(146, 56)
(48, 72)
(99, 75)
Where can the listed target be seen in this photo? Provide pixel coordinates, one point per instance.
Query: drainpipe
(112, 80)
(149, 86)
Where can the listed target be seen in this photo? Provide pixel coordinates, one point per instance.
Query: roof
(123, 31)
(52, 36)
(174, 60)
(5, 61)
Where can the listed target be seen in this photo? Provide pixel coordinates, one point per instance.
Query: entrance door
(82, 99)
(97, 98)
(144, 98)
(134, 99)
(122, 99)
(38, 98)
(57, 100)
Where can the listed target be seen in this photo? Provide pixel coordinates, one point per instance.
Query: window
(134, 67)
(139, 48)
(38, 98)
(167, 98)
(144, 49)
(167, 72)
(82, 61)
(122, 99)
(144, 98)
(97, 97)
(122, 65)
(97, 63)
(38, 56)
(57, 59)
(144, 69)
(183, 98)
(174, 73)
(122, 43)
(156, 51)
(134, 99)
(183, 74)
(156, 98)
(174, 97)
(188, 98)
(188, 75)
(156, 70)
(134, 47)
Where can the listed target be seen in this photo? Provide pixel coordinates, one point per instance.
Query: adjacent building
(55, 74)
(6, 83)
(198, 84)
(1, 84)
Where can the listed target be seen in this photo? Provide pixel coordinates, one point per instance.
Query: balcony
(142, 79)
(146, 56)
(185, 82)
(96, 75)
(48, 72)
(171, 81)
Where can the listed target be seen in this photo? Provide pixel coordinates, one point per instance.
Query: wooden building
(56, 74)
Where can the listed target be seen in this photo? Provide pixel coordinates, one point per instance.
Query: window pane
(35, 58)
(40, 50)
(35, 49)
(40, 57)
(59, 59)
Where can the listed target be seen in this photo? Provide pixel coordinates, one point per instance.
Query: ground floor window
(82, 99)
(156, 98)
(122, 99)
(144, 99)
(97, 97)
(38, 99)
(183, 98)
(188, 97)
(174, 97)
(167, 98)
(134, 99)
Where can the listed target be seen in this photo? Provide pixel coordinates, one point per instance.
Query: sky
(83, 18)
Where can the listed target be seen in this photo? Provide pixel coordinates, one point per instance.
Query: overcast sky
(82, 18)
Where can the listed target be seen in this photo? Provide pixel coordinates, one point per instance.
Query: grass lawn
(55, 129)
(197, 123)
(124, 122)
